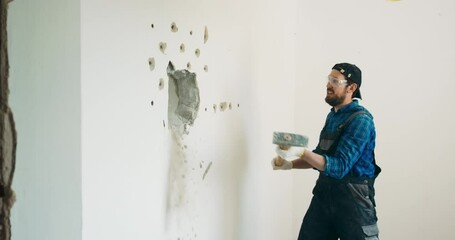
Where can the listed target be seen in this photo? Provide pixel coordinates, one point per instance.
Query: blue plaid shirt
(354, 154)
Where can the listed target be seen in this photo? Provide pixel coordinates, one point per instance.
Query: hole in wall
(163, 47)
(152, 64)
(152, 25)
(161, 84)
(223, 106)
(183, 105)
(174, 27)
(206, 35)
(151, 103)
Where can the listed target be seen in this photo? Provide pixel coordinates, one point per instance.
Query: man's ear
(352, 87)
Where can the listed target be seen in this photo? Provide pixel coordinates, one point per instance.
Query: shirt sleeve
(352, 143)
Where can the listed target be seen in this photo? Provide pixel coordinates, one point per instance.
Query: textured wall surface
(8, 136)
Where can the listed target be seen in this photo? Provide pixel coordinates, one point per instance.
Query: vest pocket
(371, 232)
(361, 194)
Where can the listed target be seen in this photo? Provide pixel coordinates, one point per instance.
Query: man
(343, 205)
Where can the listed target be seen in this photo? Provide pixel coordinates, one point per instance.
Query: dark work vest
(328, 141)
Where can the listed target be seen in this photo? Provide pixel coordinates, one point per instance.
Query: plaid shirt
(354, 154)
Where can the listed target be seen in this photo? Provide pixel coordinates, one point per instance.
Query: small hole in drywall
(152, 25)
(223, 106)
(151, 103)
(174, 27)
(206, 34)
(163, 47)
(161, 84)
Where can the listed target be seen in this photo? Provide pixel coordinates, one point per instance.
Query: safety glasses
(336, 82)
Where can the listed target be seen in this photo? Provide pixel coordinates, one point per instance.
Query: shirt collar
(348, 107)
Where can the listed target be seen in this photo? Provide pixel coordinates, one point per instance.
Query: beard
(334, 100)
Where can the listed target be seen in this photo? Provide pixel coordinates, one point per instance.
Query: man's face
(336, 89)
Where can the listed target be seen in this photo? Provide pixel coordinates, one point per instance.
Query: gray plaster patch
(184, 99)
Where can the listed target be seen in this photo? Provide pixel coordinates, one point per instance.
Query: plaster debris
(184, 99)
(206, 170)
(206, 34)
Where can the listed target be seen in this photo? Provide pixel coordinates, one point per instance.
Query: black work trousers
(341, 209)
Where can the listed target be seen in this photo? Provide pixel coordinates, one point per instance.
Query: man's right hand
(287, 165)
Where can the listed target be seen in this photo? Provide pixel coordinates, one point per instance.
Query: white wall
(44, 51)
(128, 154)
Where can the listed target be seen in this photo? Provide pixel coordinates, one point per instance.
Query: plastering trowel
(285, 140)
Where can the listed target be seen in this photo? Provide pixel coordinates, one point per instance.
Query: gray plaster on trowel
(184, 99)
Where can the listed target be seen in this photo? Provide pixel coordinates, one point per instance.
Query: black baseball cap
(352, 73)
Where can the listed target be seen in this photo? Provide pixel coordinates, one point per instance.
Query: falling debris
(174, 27)
(163, 47)
(206, 35)
(206, 170)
